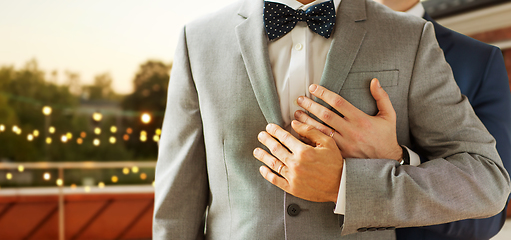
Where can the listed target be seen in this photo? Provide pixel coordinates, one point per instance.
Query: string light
(146, 118)
(30, 137)
(46, 176)
(73, 186)
(69, 135)
(63, 138)
(143, 176)
(51, 130)
(125, 170)
(79, 141)
(97, 116)
(143, 136)
(126, 137)
(134, 169)
(2, 128)
(21, 168)
(113, 129)
(96, 142)
(153, 184)
(48, 140)
(158, 131)
(46, 110)
(129, 130)
(101, 184)
(36, 133)
(112, 140)
(8, 176)
(114, 179)
(97, 130)
(86, 189)
(83, 134)
(59, 182)
(156, 138)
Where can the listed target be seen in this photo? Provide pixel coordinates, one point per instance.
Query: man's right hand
(357, 134)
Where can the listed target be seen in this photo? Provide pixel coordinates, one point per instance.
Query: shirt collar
(294, 4)
(417, 10)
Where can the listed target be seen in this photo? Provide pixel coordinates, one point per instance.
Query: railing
(61, 166)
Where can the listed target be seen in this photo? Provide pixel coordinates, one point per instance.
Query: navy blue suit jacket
(480, 72)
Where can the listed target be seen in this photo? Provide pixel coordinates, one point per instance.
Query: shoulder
(390, 21)
(216, 20)
(461, 41)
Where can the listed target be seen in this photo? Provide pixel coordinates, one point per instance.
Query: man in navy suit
(480, 73)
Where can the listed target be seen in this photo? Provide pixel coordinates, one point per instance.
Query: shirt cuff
(340, 206)
(415, 160)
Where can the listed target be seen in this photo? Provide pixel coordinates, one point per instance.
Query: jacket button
(293, 210)
(362, 229)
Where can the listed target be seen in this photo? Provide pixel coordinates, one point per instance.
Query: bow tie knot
(280, 19)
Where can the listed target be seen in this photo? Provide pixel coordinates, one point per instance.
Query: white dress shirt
(297, 60)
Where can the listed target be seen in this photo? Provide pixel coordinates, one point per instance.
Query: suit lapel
(347, 39)
(254, 50)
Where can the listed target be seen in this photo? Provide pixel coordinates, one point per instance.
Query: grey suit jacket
(222, 94)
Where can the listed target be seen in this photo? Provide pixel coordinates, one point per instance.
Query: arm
(181, 191)
(464, 179)
(492, 104)
(465, 170)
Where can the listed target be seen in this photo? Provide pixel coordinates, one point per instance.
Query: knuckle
(338, 102)
(327, 115)
(274, 148)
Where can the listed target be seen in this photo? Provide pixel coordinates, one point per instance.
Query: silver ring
(280, 168)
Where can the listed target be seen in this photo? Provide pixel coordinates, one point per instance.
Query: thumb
(383, 103)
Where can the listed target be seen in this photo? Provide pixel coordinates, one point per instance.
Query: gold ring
(280, 168)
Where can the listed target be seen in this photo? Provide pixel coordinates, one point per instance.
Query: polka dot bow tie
(279, 19)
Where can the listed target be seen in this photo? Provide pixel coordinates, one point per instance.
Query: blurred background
(82, 94)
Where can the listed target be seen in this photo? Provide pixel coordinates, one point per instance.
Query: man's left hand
(311, 172)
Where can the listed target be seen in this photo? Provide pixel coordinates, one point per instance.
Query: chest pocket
(356, 88)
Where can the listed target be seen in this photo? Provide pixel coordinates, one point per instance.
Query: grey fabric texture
(222, 94)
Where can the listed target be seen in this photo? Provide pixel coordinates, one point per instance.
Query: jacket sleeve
(492, 104)
(465, 177)
(181, 184)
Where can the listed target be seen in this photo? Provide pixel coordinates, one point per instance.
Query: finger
(270, 161)
(286, 138)
(312, 133)
(333, 99)
(304, 118)
(274, 179)
(323, 113)
(382, 100)
(274, 146)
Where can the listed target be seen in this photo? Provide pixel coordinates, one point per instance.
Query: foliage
(23, 93)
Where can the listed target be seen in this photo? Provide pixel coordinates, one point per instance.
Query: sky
(95, 36)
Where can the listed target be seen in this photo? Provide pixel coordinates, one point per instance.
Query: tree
(150, 95)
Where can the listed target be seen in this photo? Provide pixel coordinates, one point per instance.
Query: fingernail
(298, 113)
(260, 135)
(256, 151)
(377, 82)
(313, 87)
(296, 122)
(300, 100)
(269, 126)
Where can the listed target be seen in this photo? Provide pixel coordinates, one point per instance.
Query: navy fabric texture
(279, 19)
(480, 72)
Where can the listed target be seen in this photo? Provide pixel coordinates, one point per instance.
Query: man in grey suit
(224, 92)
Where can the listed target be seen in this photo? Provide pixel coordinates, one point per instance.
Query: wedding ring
(332, 133)
(280, 168)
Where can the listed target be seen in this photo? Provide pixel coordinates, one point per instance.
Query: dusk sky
(95, 36)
